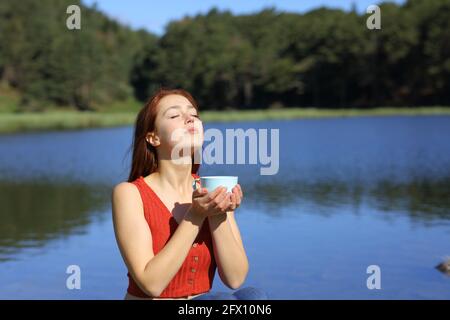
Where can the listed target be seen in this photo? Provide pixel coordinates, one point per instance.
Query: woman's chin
(192, 142)
(187, 148)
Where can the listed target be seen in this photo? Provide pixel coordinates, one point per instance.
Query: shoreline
(72, 120)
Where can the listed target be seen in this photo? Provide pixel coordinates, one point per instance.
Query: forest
(324, 58)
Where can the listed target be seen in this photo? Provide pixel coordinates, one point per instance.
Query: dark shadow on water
(32, 213)
(422, 199)
(35, 212)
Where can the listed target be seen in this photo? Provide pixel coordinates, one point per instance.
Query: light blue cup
(212, 182)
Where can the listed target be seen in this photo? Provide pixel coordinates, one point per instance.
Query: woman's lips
(191, 130)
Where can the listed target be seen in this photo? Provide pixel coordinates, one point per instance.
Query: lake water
(350, 193)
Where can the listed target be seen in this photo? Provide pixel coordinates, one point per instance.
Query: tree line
(325, 58)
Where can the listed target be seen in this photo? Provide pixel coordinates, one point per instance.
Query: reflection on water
(36, 212)
(33, 213)
(421, 199)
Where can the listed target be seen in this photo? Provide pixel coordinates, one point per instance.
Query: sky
(154, 15)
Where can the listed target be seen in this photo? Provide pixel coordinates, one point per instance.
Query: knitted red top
(197, 271)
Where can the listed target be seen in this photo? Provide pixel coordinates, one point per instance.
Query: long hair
(145, 159)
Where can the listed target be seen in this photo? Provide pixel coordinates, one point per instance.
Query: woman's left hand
(236, 197)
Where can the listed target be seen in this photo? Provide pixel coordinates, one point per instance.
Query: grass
(11, 122)
(60, 118)
(298, 113)
(124, 113)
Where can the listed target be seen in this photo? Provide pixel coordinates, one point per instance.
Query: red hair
(145, 159)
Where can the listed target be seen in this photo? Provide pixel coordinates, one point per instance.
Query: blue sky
(154, 15)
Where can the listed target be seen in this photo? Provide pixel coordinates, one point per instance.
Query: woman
(172, 237)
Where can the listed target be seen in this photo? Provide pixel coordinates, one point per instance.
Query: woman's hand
(236, 197)
(213, 203)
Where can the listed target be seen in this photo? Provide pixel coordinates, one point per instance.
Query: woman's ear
(153, 139)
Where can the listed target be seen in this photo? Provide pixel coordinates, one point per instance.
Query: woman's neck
(173, 176)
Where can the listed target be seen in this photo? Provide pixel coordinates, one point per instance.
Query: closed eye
(194, 115)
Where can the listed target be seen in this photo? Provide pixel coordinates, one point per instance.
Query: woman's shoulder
(127, 190)
(126, 201)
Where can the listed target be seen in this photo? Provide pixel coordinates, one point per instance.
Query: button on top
(194, 245)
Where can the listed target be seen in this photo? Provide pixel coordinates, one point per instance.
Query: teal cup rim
(212, 178)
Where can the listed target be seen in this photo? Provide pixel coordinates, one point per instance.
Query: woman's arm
(232, 262)
(151, 272)
(235, 229)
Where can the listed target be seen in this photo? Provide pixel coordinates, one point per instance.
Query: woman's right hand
(212, 203)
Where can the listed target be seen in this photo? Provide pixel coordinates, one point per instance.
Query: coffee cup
(212, 182)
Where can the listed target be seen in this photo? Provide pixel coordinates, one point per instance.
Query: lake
(349, 193)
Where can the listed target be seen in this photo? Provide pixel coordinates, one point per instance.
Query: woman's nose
(189, 118)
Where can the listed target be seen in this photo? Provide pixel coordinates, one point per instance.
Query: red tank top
(197, 271)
